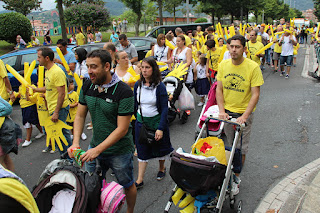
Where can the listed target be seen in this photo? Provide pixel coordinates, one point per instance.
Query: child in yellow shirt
(74, 100)
(212, 56)
(29, 115)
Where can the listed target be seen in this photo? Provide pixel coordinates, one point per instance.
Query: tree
(171, 7)
(160, 7)
(86, 14)
(212, 8)
(62, 21)
(22, 6)
(69, 3)
(13, 24)
(316, 11)
(136, 6)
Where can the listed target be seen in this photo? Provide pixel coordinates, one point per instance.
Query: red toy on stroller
(204, 178)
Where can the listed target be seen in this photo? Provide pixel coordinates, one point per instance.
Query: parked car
(17, 58)
(142, 45)
(164, 29)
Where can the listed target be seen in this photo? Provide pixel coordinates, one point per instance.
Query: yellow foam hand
(30, 45)
(226, 32)
(63, 60)
(131, 71)
(54, 133)
(179, 71)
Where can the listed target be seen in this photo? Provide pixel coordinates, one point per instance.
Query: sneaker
(139, 186)
(200, 104)
(161, 175)
(40, 135)
(113, 174)
(26, 143)
(235, 188)
(83, 136)
(282, 73)
(47, 149)
(287, 76)
(90, 127)
(52, 152)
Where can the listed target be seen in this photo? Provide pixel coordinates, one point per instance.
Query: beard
(99, 79)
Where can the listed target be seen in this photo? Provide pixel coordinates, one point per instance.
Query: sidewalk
(299, 192)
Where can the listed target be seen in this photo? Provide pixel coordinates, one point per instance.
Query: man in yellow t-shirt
(80, 39)
(178, 32)
(56, 90)
(6, 91)
(254, 46)
(212, 56)
(277, 48)
(238, 90)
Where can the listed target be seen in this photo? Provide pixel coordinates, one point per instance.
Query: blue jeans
(267, 55)
(288, 59)
(121, 165)
(63, 114)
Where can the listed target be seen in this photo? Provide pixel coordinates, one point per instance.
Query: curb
(279, 194)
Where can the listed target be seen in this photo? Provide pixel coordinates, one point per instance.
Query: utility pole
(187, 11)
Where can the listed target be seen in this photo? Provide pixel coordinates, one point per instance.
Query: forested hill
(301, 4)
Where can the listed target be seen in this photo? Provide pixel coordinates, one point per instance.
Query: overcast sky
(46, 5)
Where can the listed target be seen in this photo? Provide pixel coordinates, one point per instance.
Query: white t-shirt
(201, 71)
(82, 69)
(182, 58)
(148, 102)
(161, 52)
(98, 36)
(287, 46)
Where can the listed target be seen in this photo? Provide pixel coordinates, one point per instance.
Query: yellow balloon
(288, 31)
(27, 75)
(161, 63)
(163, 68)
(131, 71)
(17, 75)
(188, 209)
(224, 48)
(264, 48)
(41, 76)
(54, 133)
(15, 95)
(63, 60)
(279, 33)
(171, 46)
(78, 81)
(186, 201)
(177, 196)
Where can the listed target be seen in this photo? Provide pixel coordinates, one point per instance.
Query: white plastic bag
(186, 99)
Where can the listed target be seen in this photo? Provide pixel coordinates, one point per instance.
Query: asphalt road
(284, 138)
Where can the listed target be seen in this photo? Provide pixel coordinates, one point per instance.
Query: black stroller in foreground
(204, 181)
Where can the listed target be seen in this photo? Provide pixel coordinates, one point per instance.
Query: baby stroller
(174, 87)
(64, 187)
(205, 183)
(210, 107)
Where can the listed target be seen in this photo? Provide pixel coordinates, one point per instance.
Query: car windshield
(138, 42)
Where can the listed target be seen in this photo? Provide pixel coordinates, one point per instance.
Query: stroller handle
(231, 120)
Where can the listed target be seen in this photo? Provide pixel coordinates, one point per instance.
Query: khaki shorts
(229, 131)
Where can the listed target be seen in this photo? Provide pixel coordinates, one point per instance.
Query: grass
(6, 47)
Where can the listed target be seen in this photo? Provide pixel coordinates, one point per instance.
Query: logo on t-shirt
(234, 82)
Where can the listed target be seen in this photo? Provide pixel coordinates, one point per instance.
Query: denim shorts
(288, 59)
(121, 165)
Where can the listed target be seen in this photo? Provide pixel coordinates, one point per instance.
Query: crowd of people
(122, 109)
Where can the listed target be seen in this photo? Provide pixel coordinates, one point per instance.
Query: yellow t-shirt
(253, 48)
(80, 38)
(237, 81)
(194, 53)
(213, 57)
(188, 40)
(148, 54)
(3, 89)
(204, 49)
(259, 38)
(73, 98)
(277, 48)
(23, 99)
(55, 77)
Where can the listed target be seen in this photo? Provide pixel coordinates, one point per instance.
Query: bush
(86, 14)
(201, 20)
(13, 24)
